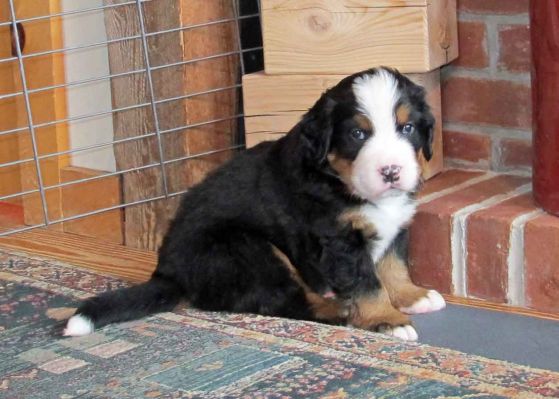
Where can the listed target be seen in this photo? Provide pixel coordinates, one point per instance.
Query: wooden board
(275, 103)
(10, 182)
(101, 256)
(90, 196)
(207, 75)
(146, 224)
(442, 32)
(46, 106)
(11, 216)
(347, 36)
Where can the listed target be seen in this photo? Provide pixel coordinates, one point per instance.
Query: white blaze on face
(377, 96)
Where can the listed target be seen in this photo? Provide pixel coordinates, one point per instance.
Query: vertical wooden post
(206, 75)
(145, 224)
(9, 148)
(46, 106)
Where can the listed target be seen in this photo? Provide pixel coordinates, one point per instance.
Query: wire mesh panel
(109, 109)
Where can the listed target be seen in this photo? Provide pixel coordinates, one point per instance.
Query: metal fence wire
(147, 92)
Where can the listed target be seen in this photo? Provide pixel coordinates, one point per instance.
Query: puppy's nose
(390, 174)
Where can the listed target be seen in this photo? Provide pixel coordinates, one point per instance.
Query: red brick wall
(486, 91)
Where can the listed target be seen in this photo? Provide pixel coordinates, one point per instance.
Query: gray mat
(520, 339)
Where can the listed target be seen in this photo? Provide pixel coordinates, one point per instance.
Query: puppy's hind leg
(244, 274)
(324, 309)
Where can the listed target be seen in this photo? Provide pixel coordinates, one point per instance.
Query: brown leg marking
(358, 222)
(394, 276)
(375, 310)
(326, 309)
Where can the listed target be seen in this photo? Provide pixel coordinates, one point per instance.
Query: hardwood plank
(101, 256)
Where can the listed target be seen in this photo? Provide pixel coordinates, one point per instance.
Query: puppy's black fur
(218, 255)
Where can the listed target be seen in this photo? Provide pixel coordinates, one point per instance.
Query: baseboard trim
(499, 307)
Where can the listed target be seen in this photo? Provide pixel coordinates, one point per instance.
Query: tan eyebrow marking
(403, 114)
(363, 122)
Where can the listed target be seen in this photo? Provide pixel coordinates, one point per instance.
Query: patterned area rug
(192, 354)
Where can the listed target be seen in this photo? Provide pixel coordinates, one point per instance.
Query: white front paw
(405, 333)
(432, 302)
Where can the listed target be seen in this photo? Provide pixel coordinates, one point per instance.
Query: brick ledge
(479, 235)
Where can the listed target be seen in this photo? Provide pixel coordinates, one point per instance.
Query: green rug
(193, 354)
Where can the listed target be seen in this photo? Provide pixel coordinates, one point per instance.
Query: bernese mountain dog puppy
(311, 227)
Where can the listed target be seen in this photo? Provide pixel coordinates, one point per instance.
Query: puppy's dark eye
(358, 134)
(408, 129)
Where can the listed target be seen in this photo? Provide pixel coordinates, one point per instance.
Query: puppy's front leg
(371, 307)
(405, 295)
(393, 273)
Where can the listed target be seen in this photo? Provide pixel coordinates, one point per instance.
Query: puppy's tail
(155, 295)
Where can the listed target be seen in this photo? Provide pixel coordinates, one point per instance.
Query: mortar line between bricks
(525, 171)
(493, 46)
(488, 73)
(457, 163)
(496, 152)
(436, 195)
(494, 131)
(458, 236)
(516, 286)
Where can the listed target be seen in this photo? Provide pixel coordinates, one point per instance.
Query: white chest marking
(388, 214)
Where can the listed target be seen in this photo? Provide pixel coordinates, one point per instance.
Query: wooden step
(347, 36)
(273, 104)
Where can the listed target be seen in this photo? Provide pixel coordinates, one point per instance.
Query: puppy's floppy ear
(428, 133)
(317, 128)
(426, 126)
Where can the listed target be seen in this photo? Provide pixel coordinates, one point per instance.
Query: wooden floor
(137, 265)
(102, 256)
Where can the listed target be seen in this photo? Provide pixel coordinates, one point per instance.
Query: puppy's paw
(431, 302)
(405, 333)
(328, 308)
